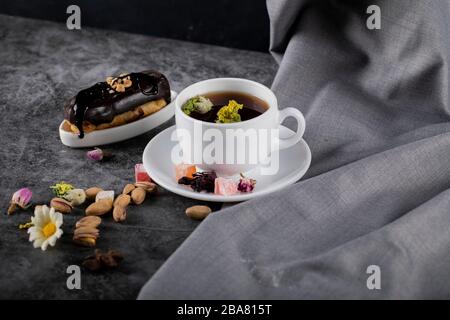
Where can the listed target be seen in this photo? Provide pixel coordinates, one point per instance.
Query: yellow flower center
(49, 229)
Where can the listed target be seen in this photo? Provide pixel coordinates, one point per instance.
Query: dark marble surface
(220, 22)
(42, 64)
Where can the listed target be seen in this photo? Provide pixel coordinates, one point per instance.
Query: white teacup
(232, 148)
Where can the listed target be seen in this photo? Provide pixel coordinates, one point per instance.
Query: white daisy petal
(40, 212)
(58, 217)
(39, 222)
(45, 218)
(44, 245)
(52, 240)
(38, 242)
(43, 212)
(34, 236)
(37, 210)
(58, 233)
(38, 219)
(31, 229)
(52, 214)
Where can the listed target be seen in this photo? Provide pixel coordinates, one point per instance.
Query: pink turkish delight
(225, 187)
(140, 174)
(184, 170)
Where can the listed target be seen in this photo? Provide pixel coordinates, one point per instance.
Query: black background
(233, 23)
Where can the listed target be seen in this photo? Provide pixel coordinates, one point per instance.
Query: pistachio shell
(122, 200)
(76, 197)
(149, 187)
(61, 205)
(92, 221)
(198, 212)
(138, 195)
(91, 193)
(128, 188)
(100, 207)
(85, 241)
(119, 214)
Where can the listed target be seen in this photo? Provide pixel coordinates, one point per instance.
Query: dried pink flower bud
(246, 184)
(21, 198)
(98, 154)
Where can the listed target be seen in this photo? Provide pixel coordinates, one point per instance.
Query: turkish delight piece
(140, 174)
(184, 170)
(225, 187)
(108, 194)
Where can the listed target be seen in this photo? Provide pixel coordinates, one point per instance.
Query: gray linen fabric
(377, 112)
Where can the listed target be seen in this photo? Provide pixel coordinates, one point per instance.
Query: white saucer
(294, 162)
(120, 133)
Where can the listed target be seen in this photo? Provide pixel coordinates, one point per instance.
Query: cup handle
(297, 136)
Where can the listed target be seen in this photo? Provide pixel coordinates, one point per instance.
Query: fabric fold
(377, 118)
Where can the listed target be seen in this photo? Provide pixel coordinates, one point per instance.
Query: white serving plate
(120, 133)
(294, 162)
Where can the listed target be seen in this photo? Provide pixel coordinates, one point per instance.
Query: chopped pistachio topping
(198, 104)
(60, 189)
(229, 113)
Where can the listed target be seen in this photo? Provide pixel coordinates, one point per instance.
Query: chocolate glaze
(100, 103)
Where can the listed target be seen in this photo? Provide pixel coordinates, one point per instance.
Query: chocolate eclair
(116, 101)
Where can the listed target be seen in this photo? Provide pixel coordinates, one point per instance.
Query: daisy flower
(46, 227)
